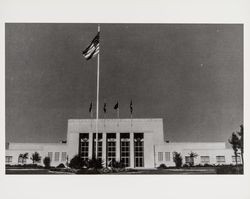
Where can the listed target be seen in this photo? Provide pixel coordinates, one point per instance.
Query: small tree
(46, 162)
(192, 155)
(235, 142)
(177, 159)
(162, 166)
(35, 157)
(241, 142)
(23, 157)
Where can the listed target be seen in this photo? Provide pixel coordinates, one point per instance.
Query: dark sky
(190, 75)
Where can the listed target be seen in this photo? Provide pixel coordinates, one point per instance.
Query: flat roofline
(38, 143)
(115, 119)
(194, 142)
(209, 149)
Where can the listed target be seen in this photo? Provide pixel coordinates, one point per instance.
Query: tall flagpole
(91, 116)
(104, 114)
(131, 117)
(118, 116)
(131, 113)
(97, 96)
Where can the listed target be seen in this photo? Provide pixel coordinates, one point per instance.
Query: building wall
(201, 149)
(154, 145)
(152, 129)
(15, 149)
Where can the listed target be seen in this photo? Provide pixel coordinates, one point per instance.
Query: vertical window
(8, 159)
(160, 156)
(125, 149)
(234, 159)
(205, 159)
(64, 156)
(167, 156)
(57, 154)
(50, 155)
(84, 146)
(220, 159)
(111, 147)
(99, 145)
(139, 149)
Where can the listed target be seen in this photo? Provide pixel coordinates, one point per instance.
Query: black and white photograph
(124, 98)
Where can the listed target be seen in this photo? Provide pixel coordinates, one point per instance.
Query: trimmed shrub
(162, 166)
(61, 166)
(117, 164)
(76, 162)
(46, 162)
(95, 164)
(186, 165)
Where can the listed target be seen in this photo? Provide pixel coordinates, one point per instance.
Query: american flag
(93, 49)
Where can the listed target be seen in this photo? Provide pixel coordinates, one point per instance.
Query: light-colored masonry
(138, 143)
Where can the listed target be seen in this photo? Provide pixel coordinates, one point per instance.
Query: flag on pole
(131, 113)
(104, 108)
(93, 49)
(116, 106)
(90, 107)
(131, 107)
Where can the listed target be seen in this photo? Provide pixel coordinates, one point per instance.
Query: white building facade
(138, 143)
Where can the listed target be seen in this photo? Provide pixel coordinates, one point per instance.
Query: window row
(203, 159)
(167, 156)
(111, 147)
(8, 159)
(57, 156)
(23, 160)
